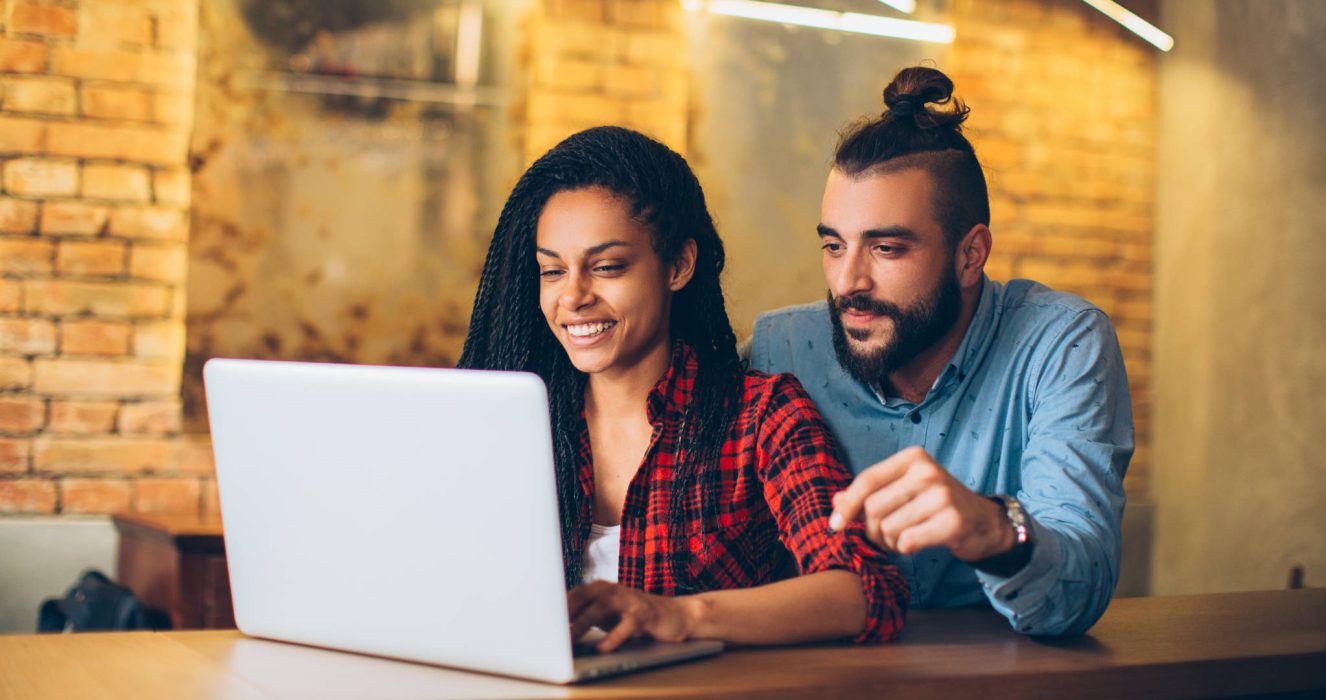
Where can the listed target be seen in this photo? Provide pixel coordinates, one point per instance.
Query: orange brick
(82, 417)
(94, 496)
(172, 187)
(160, 263)
(193, 455)
(113, 102)
(110, 25)
(17, 216)
(41, 177)
(104, 378)
(15, 373)
(48, 20)
(11, 296)
(159, 340)
(108, 299)
(74, 218)
(135, 66)
(15, 455)
(151, 418)
(40, 95)
(21, 415)
(94, 337)
(27, 336)
(100, 455)
(167, 495)
(117, 142)
(171, 108)
(211, 498)
(90, 258)
(25, 255)
(22, 136)
(122, 182)
(148, 222)
(19, 56)
(27, 496)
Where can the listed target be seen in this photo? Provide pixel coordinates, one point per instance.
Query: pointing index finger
(849, 503)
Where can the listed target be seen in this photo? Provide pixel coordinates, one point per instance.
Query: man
(989, 424)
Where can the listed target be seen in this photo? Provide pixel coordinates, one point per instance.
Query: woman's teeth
(586, 330)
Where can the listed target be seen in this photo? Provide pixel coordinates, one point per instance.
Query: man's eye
(832, 247)
(887, 249)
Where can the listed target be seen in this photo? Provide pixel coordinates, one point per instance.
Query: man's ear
(683, 269)
(972, 254)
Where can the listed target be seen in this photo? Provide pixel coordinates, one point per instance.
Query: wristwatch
(1008, 563)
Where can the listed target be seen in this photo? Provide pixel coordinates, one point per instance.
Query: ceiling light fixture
(854, 22)
(907, 6)
(1148, 31)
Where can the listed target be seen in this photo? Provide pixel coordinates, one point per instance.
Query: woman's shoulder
(772, 392)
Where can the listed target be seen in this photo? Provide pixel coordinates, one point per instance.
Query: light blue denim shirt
(1033, 404)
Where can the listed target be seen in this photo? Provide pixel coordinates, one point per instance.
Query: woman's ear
(683, 269)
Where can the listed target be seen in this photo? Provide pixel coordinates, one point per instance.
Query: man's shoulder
(783, 337)
(790, 317)
(1027, 304)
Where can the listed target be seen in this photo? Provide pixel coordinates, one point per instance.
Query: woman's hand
(624, 612)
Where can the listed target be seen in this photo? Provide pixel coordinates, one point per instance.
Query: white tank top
(601, 553)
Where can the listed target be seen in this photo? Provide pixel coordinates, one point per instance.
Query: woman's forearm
(820, 606)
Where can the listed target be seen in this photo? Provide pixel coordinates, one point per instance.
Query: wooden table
(1190, 646)
(177, 564)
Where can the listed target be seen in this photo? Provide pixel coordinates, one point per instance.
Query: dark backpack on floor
(95, 603)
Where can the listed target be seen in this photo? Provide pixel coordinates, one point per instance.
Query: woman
(679, 474)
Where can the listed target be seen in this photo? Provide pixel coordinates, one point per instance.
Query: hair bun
(913, 88)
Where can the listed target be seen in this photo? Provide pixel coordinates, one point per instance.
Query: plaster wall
(1240, 377)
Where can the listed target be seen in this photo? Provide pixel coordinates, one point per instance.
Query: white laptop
(402, 512)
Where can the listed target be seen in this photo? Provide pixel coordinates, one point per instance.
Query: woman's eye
(609, 268)
(549, 274)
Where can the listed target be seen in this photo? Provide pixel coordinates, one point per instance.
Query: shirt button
(916, 416)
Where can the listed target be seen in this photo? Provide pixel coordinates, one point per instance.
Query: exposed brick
(22, 136)
(27, 496)
(193, 455)
(108, 25)
(122, 182)
(82, 417)
(631, 81)
(108, 299)
(15, 373)
(90, 258)
(115, 102)
(151, 418)
(94, 337)
(211, 498)
(74, 218)
(20, 56)
(167, 495)
(159, 340)
(15, 455)
(17, 216)
(577, 109)
(172, 187)
(11, 296)
(48, 20)
(100, 455)
(27, 336)
(148, 222)
(21, 415)
(25, 255)
(567, 74)
(101, 496)
(40, 95)
(39, 177)
(117, 142)
(160, 263)
(177, 29)
(172, 108)
(104, 378)
(136, 66)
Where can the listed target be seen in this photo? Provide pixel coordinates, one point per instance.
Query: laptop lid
(402, 512)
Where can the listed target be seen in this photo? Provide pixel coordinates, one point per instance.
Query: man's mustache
(863, 302)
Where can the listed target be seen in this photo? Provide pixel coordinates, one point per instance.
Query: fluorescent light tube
(907, 6)
(1148, 31)
(827, 19)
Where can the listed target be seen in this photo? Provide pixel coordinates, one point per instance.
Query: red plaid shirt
(778, 473)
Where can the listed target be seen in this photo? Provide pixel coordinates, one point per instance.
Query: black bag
(97, 603)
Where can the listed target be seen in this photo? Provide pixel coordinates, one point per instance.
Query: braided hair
(508, 331)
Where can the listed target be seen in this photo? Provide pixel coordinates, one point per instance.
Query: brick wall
(95, 112)
(1064, 119)
(594, 62)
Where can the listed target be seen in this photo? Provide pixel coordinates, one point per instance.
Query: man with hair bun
(988, 424)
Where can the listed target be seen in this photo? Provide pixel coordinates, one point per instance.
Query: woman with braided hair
(692, 492)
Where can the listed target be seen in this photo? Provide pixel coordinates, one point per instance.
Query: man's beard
(915, 329)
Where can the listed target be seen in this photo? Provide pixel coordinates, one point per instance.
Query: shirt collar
(673, 391)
